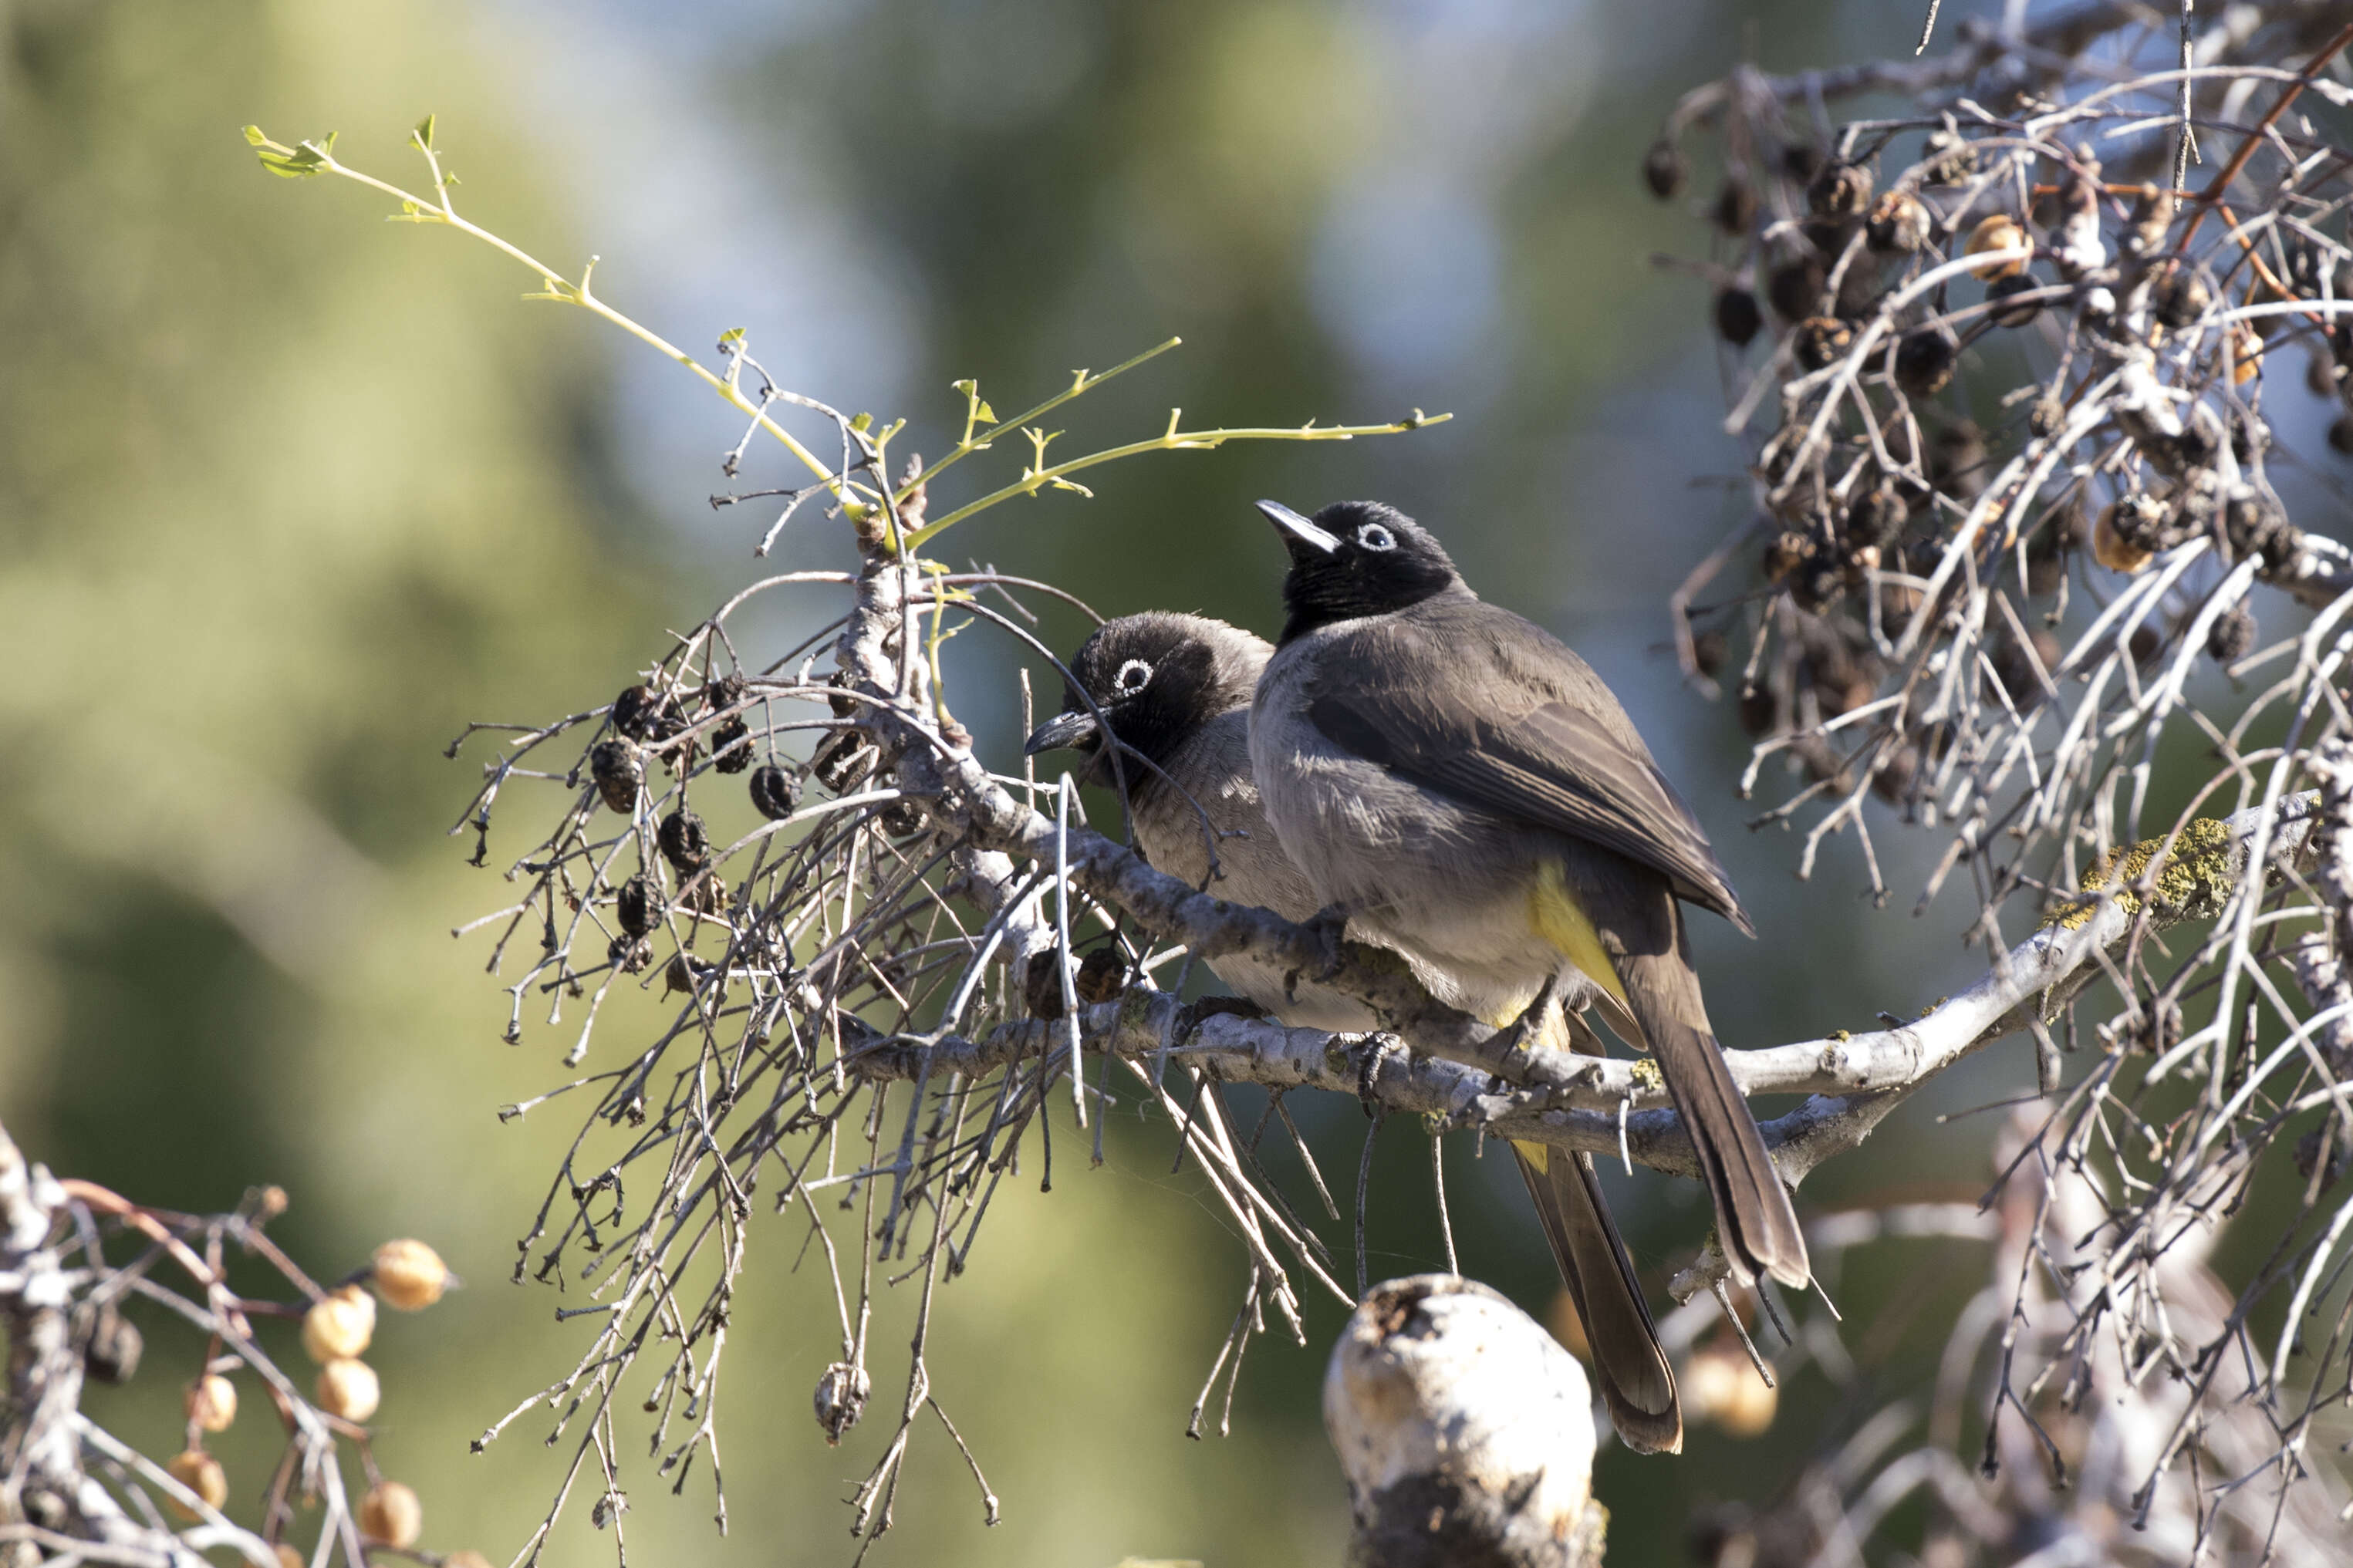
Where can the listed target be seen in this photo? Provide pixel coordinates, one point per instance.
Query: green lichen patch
(2194, 882)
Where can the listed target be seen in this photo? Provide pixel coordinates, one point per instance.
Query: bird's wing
(1500, 714)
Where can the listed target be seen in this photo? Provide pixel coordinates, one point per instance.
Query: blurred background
(291, 495)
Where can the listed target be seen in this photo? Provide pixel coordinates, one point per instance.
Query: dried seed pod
(1760, 715)
(720, 695)
(2119, 538)
(638, 905)
(391, 1514)
(1664, 169)
(902, 817)
(1817, 585)
(290, 1558)
(1949, 157)
(1102, 975)
(775, 793)
(2143, 644)
(618, 768)
(843, 761)
(409, 1275)
(685, 841)
(1785, 553)
(841, 1394)
(1924, 361)
(1892, 780)
(1900, 224)
(1801, 162)
(341, 1325)
(636, 713)
(684, 972)
(2246, 347)
(1821, 341)
(2008, 309)
(731, 746)
(1876, 518)
(629, 954)
(1999, 231)
(1042, 984)
(1794, 288)
(2232, 635)
(1737, 319)
(1709, 650)
(212, 1403)
(112, 1352)
(706, 895)
(201, 1474)
(1840, 190)
(2253, 524)
(1736, 207)
(348, 1387)
(2181, 297)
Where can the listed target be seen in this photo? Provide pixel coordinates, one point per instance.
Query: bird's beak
(1298, 532)
(1075, 730)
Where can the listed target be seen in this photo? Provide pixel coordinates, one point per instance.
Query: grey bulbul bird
(1174, 693)
(1470, 793)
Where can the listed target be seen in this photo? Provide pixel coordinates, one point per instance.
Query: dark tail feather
(1752, 1207)
(1637, 1383)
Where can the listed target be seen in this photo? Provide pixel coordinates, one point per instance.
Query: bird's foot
(1376, 1047)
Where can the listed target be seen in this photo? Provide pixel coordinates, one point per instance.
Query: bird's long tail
(1637, 1383)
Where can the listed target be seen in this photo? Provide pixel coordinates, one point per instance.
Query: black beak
(1304, 540)
(1076, 729)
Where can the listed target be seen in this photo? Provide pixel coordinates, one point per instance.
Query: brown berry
(731, 746)
(1709, 650)
(1736, 207)
(287, 1557)
(638, 713)
(638, 905)
(1957, 460)
(1999, 231)
(843, 761)
(201, 1474)
(1759, 714)
(2111, 547)
(841, 1394)
(1924, 361)
(391, 1514)
(409, 1275)
(1042, 984)
(2246, 353)
(1737, 319)
(2181, 297)
(2232, 636)
(212, 1403)
(340, 1326)
(774, 792)
(1840, 190)
(1821, 341)
(1877, 517)
(1794, 288)
(1801, 161)
(1949, 158)
(685, 841)
(1900, 224)
(1102, 975)
(2005, 304)
(349, 1388)
(1785, 553)
(1664, 169)
(618, 769)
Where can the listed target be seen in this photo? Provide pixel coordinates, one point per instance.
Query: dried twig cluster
(2014, 478)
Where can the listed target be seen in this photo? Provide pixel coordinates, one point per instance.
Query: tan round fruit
(287, 1557)
(466, 1558)
(1999, 232)
(2111, 549)
(349, 1388)
(201, 1474)
(340, 1326)
(409, 1275)
(212, 1403)
(391, 1514)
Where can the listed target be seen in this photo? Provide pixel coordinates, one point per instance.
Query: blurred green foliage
(292, 495)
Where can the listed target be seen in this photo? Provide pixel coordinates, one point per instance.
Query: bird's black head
(1156, 678)
(1357, 558)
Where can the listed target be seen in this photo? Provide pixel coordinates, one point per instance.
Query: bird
(1466, 790)
(1162, 700)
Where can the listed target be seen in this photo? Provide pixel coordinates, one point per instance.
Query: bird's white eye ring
(1135, 676)
(1373, 536)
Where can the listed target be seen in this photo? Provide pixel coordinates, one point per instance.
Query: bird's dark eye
(1373, 536)
(1135, 676)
